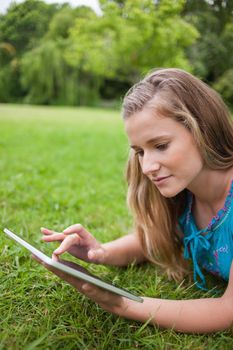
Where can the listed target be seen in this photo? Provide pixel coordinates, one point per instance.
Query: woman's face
(166, 151)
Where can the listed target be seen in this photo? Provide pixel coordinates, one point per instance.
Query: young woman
(180, 178)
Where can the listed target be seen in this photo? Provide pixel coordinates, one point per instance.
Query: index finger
(47, 231)
(54, 237)
(79, 229)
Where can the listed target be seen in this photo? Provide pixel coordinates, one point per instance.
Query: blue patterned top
(212, 247)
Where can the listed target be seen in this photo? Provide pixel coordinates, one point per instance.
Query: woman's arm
(188, 316)
(124, 251)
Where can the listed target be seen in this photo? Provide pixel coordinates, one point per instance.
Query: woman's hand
(107, 300)
(77, 241)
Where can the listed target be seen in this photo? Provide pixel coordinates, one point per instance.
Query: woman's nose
(149, 165)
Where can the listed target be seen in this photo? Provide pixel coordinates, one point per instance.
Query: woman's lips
(160, 179)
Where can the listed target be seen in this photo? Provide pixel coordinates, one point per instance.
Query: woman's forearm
(123, 251)
(189, 316)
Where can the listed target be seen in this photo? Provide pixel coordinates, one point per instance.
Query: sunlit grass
(59, 166)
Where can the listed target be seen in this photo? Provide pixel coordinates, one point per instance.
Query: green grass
(59, 166)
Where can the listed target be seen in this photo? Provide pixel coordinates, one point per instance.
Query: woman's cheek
(176, 160)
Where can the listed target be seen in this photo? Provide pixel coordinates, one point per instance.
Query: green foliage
(61, 22)
(20, 30)
(227, 42)
(225, 87)
(55, 54)
(42, 78)
(55, 83)
(211, 55)
(25, 23)
(9, 82)
(46, 75)
(130, 39)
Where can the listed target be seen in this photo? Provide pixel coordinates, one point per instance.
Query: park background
(55, 54)
(63, 73)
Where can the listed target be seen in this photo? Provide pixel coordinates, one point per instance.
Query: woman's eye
(139, 153)
(162, 147)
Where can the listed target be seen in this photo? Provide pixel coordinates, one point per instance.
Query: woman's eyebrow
(153, 140)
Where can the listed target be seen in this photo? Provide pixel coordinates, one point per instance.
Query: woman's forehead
(144, 126)
(149, 120)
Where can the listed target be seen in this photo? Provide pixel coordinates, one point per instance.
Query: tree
(131, 38)
(72, 56)
(211, 54)
(21, 29)
(25, 23)
(224, 86)
(61, 23)
(46, 75)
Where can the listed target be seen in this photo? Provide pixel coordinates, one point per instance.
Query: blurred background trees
(211, 55)
(53, 54)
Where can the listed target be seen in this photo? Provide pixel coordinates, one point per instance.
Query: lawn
(60, 166)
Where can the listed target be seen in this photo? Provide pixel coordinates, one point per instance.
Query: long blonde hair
(179, 95)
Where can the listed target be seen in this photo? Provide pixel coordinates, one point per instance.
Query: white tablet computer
(76, 271)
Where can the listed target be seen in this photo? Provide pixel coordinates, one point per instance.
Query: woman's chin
(169, 192)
